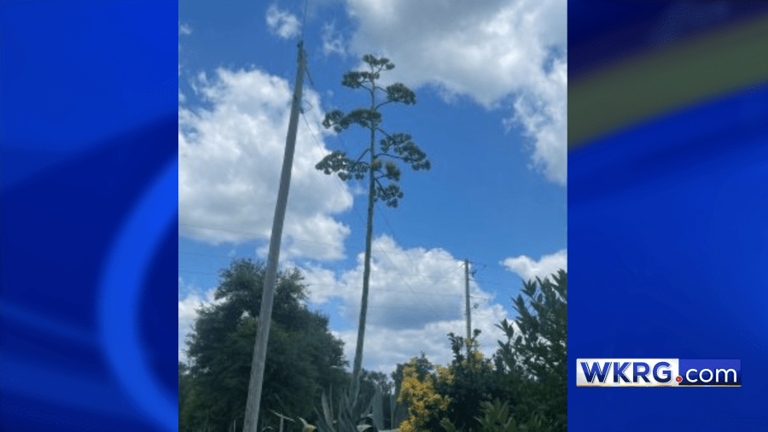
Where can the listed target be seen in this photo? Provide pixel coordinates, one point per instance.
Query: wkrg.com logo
(658, 373)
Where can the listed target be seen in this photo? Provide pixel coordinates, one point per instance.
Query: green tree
(382, 169)
(185, 396)
(425, 405)
(469, 380)
(303, 357)
(423, 366)
(534, 357)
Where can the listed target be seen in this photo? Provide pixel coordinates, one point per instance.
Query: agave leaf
(327, 420)
(378, 411)
(307, 427)
(327, 409)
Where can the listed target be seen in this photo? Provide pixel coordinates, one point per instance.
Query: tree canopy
(303, 357)
(535, 356)
(522, 387)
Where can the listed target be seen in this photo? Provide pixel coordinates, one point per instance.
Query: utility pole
(466, 289)
(267, 296)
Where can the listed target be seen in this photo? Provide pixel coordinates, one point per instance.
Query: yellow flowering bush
(425, 405)
(469, 379)
(445, 375)
(475, 359)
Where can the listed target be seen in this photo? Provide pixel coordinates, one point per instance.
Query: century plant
(351, 414)
(381, 166)
(498, 418)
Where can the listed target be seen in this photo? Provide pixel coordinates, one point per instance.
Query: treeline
(303, 357)
(521, 387)
(524, 382)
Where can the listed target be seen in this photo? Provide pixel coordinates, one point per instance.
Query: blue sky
(490, 82)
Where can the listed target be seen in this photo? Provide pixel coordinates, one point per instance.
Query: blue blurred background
(668, 206)
(88, 215)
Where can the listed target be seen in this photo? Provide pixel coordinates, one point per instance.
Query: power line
(293, 238)
(399, 291)
(486, 282)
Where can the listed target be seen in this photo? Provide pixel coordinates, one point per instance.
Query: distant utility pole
(466, 289)
(265, 316)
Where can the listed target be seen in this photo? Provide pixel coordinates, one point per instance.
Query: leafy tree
(469, 380)
(424, 368)
(535, 357)
(371, 379)
(381, 168)
(185, 396)
(417, 391)
(303, 357)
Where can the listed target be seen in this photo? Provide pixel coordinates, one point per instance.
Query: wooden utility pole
(466, 291)
(267, 296)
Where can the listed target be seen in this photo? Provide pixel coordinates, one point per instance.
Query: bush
(417, 391)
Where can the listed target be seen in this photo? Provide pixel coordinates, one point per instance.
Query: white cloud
(492, 51)
(184, 29)
(416, 298)
(529, 269)
(385, 348)
(282, 23)
(543, 114)
(230, 159)
(332, 41)
(399, 279)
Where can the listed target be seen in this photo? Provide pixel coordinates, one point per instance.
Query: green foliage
(470, 379)
(302, 357)
(393, 147)
(343, 412)
(534, 359)
(418, 393)
(370, 380)
(381, 169)
(523, 387)
(424, 368)
(349, 413)
(496, 417)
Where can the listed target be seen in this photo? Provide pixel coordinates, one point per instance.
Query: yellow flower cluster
(475, 357)
(445, 375)
(406, 426)
(422, 399)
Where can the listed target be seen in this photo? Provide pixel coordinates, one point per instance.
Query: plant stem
(367, 266)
